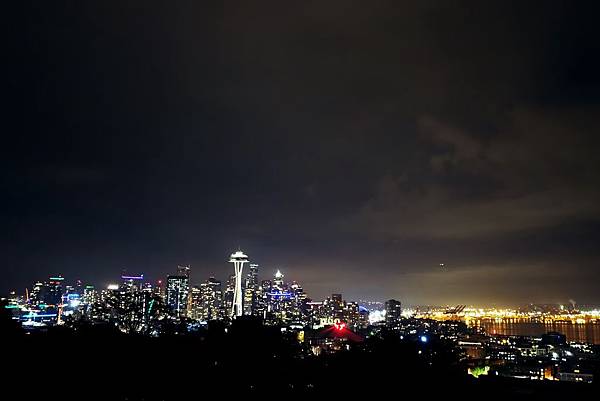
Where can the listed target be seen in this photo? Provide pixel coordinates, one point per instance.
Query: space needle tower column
(238, 259)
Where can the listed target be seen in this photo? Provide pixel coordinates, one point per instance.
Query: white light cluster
(376, 316)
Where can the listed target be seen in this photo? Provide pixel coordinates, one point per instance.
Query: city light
(376, 316)
(340, 326)
(327, 326)
(140, 277)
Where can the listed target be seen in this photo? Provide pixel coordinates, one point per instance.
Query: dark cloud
(357, 146)
(538, 171)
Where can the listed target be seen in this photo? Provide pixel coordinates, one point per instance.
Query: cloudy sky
(354, 145)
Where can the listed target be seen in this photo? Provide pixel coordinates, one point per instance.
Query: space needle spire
(238, 259)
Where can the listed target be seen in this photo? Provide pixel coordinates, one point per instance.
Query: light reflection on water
(580, 332)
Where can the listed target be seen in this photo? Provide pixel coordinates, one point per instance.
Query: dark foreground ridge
(245, 358)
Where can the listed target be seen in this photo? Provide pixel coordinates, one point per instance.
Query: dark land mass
(98, 362)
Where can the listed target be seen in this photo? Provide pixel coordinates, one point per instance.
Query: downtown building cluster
(175, 306)
(136, 305)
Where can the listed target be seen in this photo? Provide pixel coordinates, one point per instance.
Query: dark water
(580, 332)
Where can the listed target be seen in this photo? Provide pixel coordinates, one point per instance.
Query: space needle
(238, 259)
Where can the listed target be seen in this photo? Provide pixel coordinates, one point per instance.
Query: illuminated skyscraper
(52, 291)
(196, 303)
(393, 313)
(280, 301)
(298, 298)
(238, 259)
(130, 281)
(177, 293)
(158, 290)
(36, 292)
(278, 281)
(211, 300)
(130, 305)
(352, 316)
(337, 306)
(251, 289)
(206, 301)
(90, 296)
(263, 298)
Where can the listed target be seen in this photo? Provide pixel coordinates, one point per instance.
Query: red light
(340, 326)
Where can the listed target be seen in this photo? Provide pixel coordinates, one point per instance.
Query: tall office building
(177, 293)
(89, 298)
(280, 301)
(36, 291)
(251, 289)
(51, 292)
(337, 306)
(90, 295)
(211, 300)
(79, 288)
(196, 307)
(159, 290)
(248, 300)
(128, 305)
(128, 281)
(258, 308)
(298, 307)
(393, 313)
(352, 315)
(278, 279)
(228, 296)
(206, 301)
(262, 299)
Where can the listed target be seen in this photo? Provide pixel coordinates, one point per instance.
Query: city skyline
(136, 304)
(432, 152)
(194, 280)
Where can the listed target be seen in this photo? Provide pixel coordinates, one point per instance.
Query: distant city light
(407, 313)
(140, 277)
(376, 316)
(423, 339)
(34, 315)
(478, 371)
(280, 294)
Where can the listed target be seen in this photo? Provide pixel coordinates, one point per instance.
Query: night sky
(354, 145)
